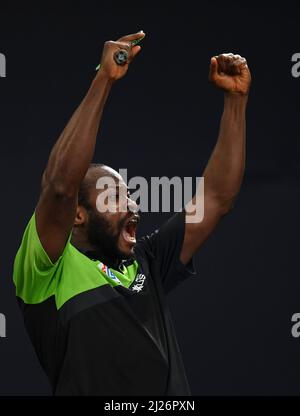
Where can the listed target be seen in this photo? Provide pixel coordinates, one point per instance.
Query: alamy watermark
(296, 327)
(152, 196)
(2, 65)
(2, 326)
(296, 67)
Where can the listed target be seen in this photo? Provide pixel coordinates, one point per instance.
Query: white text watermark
(2, 326)
(154, 195)
(296, 67)
(2, 65)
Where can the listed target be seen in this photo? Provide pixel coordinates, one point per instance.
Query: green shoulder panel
(36, 278)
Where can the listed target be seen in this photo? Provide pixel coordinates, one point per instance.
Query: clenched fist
(230, 73)
(108, 65)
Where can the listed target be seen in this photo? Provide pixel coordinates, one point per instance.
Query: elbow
(226, 205)
(220, 204)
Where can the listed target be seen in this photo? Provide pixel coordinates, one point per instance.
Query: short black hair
(86, 185)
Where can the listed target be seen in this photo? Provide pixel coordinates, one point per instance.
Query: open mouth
(129, 230)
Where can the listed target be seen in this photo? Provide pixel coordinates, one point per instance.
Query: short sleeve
(164, 247)
(34, 274)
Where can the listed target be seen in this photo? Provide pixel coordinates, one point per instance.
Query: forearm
(73, 152)
(224, 171)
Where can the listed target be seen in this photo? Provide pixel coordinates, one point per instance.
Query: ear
(81, 216)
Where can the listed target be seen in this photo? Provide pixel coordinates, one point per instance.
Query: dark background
(234, 321)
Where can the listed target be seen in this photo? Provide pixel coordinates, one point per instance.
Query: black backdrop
(234, 321)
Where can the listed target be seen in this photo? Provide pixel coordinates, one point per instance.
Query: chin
(127, 252)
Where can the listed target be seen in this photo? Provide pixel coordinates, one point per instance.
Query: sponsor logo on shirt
(108, 272)
(139, 283)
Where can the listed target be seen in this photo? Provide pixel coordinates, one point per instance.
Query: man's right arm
(73, 152)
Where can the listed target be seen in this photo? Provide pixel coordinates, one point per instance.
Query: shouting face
(107, 217)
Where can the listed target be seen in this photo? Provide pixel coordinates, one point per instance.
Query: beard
(101, 235)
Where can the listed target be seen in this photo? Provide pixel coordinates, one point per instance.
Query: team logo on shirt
(108, 272)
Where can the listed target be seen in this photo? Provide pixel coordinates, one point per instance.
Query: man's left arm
(224, 171)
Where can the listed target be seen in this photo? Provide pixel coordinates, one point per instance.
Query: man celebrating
(94, 298)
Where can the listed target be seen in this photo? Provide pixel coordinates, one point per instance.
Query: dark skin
(224, 172)
(123, 208)
(58, 212)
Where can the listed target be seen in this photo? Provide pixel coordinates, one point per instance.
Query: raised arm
(71, 155)
(224, 171)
